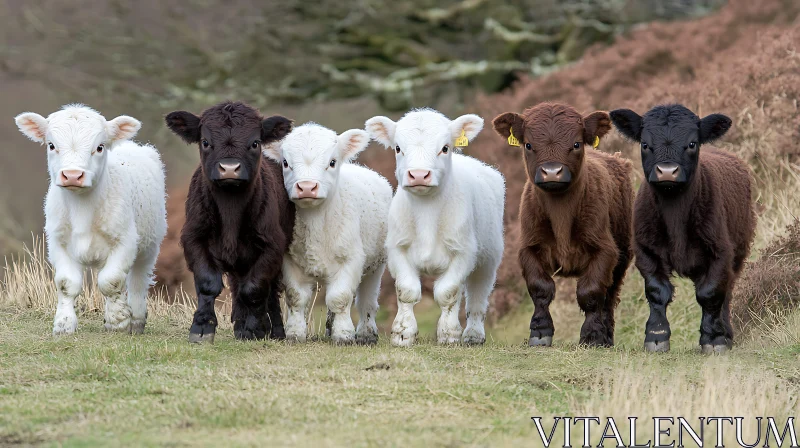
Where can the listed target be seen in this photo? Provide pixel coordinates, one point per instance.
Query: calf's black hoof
(201, 338)
(656, 346)
(277, 333)
(596, 339)
(709, 349)
(250, 329)
(543, 341)
(250, 335)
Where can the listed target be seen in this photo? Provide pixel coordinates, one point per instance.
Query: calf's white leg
(299, 291)
(409, 293)
(139, 280)
(479, 285)
(447, 292)
(339, 297)
(367, 302)
(112, 282)
(448, 296)
(69, 282)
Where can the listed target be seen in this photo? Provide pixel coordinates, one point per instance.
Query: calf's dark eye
(528, 146)
(205, 143)
(445, 148)
(397, 149)
(256, 144)
(692, 145)
(576, 145)
(644, 145)
(101, 148)
(51, 146)
(285, 164)
(333, 163)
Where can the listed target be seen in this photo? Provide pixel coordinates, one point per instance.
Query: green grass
(98, 388)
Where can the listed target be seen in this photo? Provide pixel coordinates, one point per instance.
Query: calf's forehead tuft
(551, 112)
(553, 120)
(230, 114)
(670, 115)
(77, 121)
(75, 112)
(423, 122)
(310, 136)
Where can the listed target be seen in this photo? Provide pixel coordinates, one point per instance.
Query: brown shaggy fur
(583, 231)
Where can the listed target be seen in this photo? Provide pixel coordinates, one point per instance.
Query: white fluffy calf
(339, 231)
(446, 221)
(105, 208)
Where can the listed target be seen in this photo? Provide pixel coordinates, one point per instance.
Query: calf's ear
(272, 150)
(713, 127)
(33, 126)
(185, 125)
(381, 129)
(469, 125)
(596, 125)
(352, 142)
(275, 128)
(123, 128)
(628, 123)
(508, 123)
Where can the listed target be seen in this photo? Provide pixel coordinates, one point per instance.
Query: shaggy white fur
(446, 221)
(339, 232)
(114, 220)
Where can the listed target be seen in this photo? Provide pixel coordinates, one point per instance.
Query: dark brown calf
(239, 220)
(575, 215)
(693, 216)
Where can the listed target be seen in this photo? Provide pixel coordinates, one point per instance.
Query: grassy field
(98, 388)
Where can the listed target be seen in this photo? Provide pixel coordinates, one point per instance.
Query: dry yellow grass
(28, 284)
(710, 387)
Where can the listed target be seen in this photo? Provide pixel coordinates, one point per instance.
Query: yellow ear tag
(511, 139)
(596, 142)
(462, 141)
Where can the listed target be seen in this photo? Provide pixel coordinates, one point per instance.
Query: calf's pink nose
(419, 177)
(667, 172)
(229, 170)
(552, 173)
(72, 178)
(307, 189)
